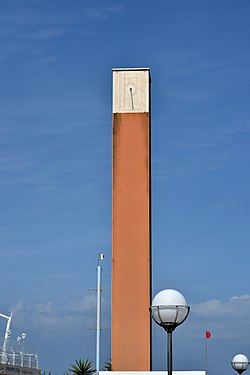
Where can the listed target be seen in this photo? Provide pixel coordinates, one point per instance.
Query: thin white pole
(98, 317)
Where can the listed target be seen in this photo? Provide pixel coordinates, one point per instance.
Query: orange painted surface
(131, 273)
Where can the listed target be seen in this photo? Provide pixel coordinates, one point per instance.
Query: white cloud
(244, 297)
(236, 305)
(226, 319)
(208, 308)
(51, 318)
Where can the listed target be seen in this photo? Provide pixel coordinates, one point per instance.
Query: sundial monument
(131, 221)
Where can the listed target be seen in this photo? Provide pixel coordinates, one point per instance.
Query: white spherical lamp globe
(240, 363)
(169, 309)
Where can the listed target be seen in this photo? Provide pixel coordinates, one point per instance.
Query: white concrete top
(131, 90)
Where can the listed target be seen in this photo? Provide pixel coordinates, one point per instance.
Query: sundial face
(131, 91)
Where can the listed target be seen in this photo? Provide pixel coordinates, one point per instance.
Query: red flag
(208, 335)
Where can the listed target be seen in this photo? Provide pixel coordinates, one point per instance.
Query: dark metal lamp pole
(170, 356)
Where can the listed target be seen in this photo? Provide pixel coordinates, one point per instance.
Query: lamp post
(169, 309)
(240, 363)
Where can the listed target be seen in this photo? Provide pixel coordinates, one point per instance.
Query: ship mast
(6, 336)
(98, 311)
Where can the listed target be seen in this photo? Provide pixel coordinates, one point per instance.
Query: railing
(19, 359)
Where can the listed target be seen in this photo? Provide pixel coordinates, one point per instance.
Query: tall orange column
(131, 263)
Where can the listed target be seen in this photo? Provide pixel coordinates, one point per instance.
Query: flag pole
(206, 354)
(207, 336)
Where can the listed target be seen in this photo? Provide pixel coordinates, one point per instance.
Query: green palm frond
(107, 365)
(82, 367)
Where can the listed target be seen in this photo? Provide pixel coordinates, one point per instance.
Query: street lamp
(23, 336)
(240, 363)
(169, 309)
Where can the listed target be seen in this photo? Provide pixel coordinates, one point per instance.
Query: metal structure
(6, 337)
(19, 359)
(16, 357)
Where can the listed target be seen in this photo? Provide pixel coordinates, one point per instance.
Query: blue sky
(55, 169)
